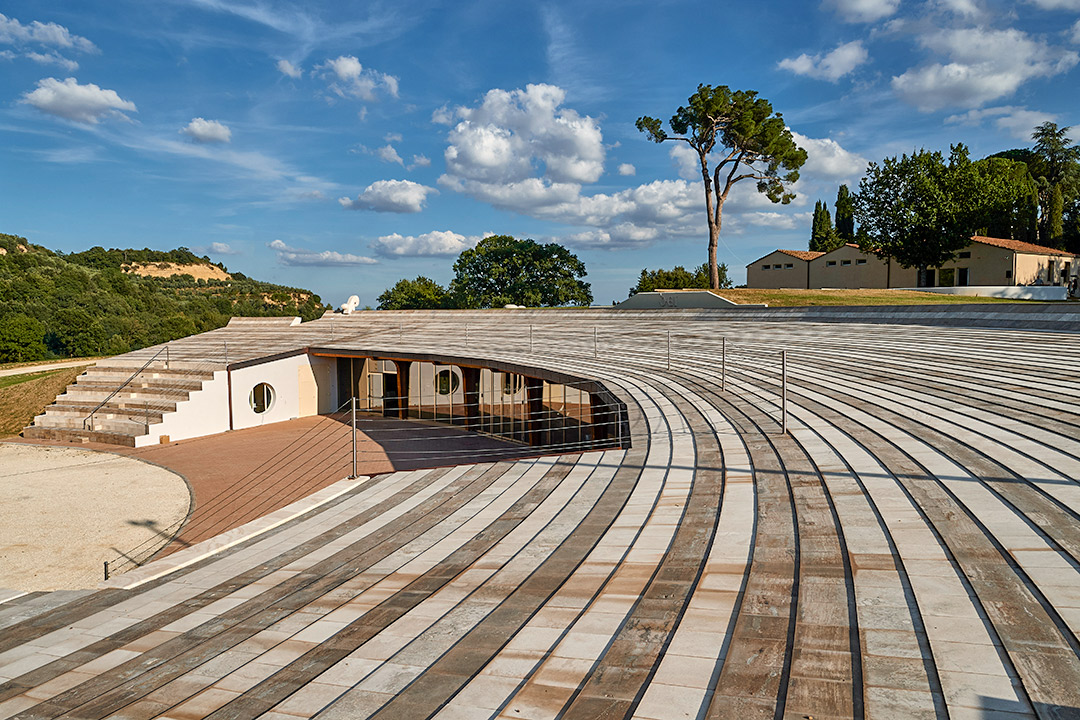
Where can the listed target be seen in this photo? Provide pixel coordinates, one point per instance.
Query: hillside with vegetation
(105, 302)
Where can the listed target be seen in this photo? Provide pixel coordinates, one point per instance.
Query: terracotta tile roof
(1020, 246)
(802, 254)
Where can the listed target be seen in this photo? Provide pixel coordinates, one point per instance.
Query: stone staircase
(125, 416)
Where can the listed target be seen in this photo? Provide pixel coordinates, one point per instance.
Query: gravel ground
(64, 511)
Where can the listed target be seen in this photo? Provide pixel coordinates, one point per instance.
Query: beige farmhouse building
(986, 261)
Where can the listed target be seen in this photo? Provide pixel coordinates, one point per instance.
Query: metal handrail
(88, 421)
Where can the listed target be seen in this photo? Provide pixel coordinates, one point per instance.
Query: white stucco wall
(283, 376)
(205, 412)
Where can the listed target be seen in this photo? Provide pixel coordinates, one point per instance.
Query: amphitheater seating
(909, 548)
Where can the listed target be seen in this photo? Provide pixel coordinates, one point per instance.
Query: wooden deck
(910, 548)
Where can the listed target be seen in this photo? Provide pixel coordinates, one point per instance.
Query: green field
(805, 298)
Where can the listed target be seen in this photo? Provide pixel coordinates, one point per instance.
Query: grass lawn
(803, 298)
(23, 396)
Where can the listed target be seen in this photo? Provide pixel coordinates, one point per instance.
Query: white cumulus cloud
(438, 242)
(1075, 32)
(13, 32)
(627, 169)
(512, 136)
(80, 103)
(287, 68)
(52, 58)
(863, 10)
(1017, 121)
(387, 153)
(827, 159)
(298, 256)
(832, 66)
(207, 131)
(982, 65)
(220, 248)
(397, 196)
(351, 79)
(1056, 4)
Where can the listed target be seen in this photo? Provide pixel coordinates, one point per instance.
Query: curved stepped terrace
(910, 548)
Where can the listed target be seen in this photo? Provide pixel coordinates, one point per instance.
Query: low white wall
(693, 299)
(1012, 292)
(205, 412)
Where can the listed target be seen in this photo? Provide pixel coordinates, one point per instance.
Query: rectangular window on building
(830, 263)
(1008, 274)
(860, 261)
(845, 262)
(965, 254)
(777, 266)
(788, 266)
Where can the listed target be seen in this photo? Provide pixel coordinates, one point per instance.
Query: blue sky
(342, 146)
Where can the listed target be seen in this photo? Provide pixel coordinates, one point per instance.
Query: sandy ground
(165, 269)
(64, 511)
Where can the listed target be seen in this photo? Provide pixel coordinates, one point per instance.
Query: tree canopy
(1055, 166)
(909, 208)
(751, 142)
(678, 278)
(419, 294)
(502, 270)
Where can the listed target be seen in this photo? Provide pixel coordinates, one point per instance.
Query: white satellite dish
(350, 305)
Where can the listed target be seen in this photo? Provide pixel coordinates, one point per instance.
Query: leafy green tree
(502, 270)
(678, 278)
(21, 338)
(419, 294)
(752, 143)
(845, 214)
(1056, 168)
(917, 209)
(1003, 201)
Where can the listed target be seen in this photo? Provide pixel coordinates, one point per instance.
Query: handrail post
(723, 364)
(353, 403)
(166, 357)
(783, 390)
(106, 569)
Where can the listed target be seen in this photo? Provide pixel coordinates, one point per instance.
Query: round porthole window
(261, 398)
(446, 382)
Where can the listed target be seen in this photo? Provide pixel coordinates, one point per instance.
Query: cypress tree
(822, 236)
(845, 215)
(1057, 210)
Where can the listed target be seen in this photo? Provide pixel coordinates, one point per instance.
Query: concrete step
(123, 426)
(119, 374)
(107, 385)
(78, 435)
(135, 413)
